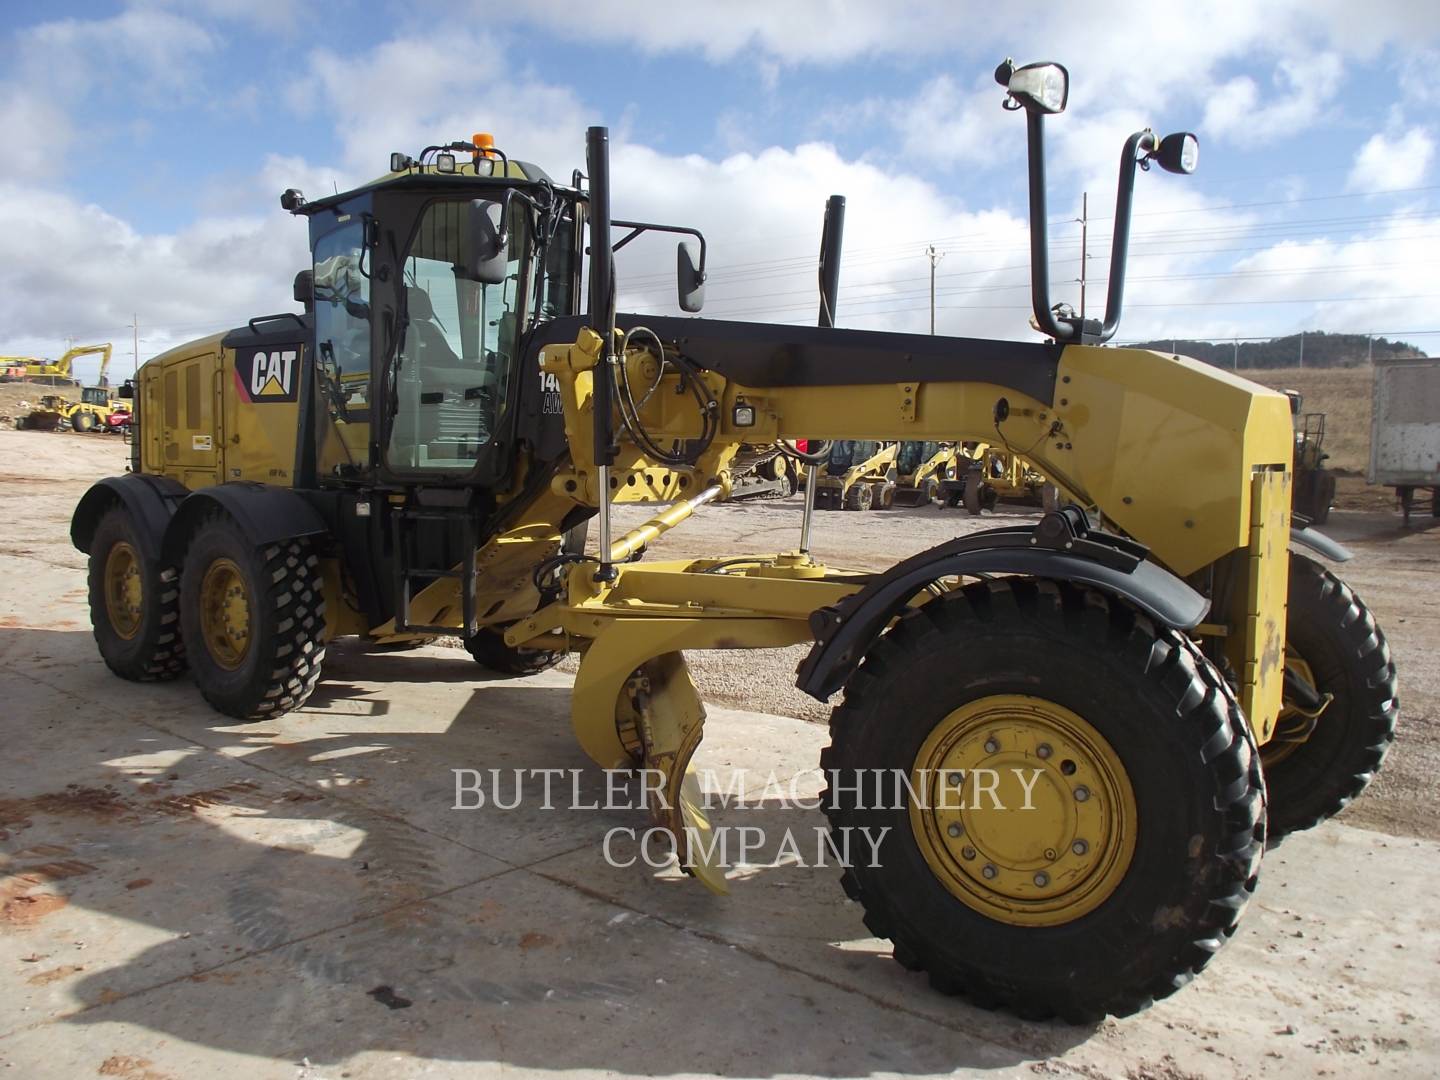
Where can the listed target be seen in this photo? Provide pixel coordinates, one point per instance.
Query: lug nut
(1079, 847)
(1082, 793)
(1042, 879)
(989, 871)
(1043, 751)
(967, 852)
(991, 746)
(956, 779)
(954, 829)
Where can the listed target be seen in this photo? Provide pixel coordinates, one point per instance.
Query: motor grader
(920, 467)
(415, 454)
(986, 474)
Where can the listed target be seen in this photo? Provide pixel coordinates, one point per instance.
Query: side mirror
(304, 289)
(485, 261)
(127, 390)
(1039, 88)
(291, 199)
(690, 281)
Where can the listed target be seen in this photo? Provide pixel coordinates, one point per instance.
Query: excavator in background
(59, 372)
(858, 475)
(920, 467)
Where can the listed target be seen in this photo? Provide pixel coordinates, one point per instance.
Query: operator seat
(424, 339)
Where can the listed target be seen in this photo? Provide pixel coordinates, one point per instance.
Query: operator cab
(845, 454)
(912, 454)
(425, 282)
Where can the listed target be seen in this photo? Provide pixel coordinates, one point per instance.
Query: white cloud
(1300, 90)
(1386, 162)
(75, 270)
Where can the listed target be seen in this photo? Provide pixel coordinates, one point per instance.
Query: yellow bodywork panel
(1258, 604)
(1165, 447)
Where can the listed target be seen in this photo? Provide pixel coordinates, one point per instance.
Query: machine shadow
(330, 901)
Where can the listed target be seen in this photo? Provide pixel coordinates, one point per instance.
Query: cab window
(453, 369)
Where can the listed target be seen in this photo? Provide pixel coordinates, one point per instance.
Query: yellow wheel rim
(225, 613)
(1039, 858)
(124, 590)
(1277, 750)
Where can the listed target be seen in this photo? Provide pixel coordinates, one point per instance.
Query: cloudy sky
(145, 144)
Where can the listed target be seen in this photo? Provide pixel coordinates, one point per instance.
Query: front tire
(134, 604)
(489, 650)
(254, 619)
(1334, 644)
(1106, 900)
(83, 421)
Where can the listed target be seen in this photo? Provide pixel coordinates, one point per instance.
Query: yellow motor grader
(416, 453)
(986, 474)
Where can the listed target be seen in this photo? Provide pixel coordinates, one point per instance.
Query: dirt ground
(316, 876)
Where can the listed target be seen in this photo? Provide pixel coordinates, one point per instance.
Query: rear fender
(150, 500)
(263, 514)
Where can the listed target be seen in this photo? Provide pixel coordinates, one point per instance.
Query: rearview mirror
(690, 281)
(484, 245)
(126, 391)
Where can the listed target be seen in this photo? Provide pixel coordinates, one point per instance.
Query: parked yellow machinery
(986, 474)
(58, 372)
(920, 468)
(409, 457)
(859, 474)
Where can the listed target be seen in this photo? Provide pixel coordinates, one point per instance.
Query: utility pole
(1235, 356)
(1084, 256)
(1370, 349)
(1302, 348)
(934, 257)
(135, 345)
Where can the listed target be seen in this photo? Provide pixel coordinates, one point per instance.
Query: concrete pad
(299, 898)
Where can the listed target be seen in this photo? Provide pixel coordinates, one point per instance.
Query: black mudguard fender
(1062, 546)
(150, 500)
(1321, 544)
(264, 515)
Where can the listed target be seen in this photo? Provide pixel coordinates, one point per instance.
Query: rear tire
(1171, 769)
(1342, 649)
(254, 619)
(83, 421)
(134, 604)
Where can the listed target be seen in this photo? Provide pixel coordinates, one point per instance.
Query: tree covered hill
(1322, 350)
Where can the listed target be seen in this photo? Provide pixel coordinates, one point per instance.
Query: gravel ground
(1394, 571)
